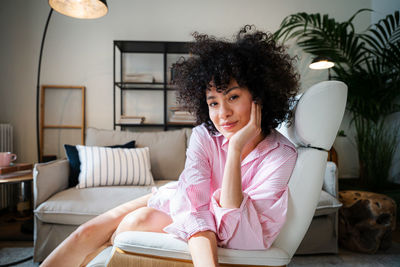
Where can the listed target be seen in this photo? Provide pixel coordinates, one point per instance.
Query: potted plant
(369, 63)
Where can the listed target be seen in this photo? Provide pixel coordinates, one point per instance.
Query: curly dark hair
(254, 60)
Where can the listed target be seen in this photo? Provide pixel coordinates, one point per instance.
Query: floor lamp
(82, 9)
(322, 63)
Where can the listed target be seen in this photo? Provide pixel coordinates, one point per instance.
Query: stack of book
(182, 116)
(131, 119)
(139, 78)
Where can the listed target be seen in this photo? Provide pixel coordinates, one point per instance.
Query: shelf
(169, 124)
(171, 87)
(170, 51)
(140, 86)
(152, 47)
(145, 86)
(180, 124)
(139, 125)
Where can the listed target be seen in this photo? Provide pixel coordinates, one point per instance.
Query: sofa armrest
(331, 179)
(48, 179)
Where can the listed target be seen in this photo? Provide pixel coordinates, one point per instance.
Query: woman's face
(229, 110)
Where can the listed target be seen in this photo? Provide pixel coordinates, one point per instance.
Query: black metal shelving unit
(146, 47)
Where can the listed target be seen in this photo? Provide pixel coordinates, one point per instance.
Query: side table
(24, 178)
(19, 226)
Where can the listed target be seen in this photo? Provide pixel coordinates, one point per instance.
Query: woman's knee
(138, 218)
(144, 219)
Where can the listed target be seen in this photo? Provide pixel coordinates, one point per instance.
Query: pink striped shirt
(192, 202)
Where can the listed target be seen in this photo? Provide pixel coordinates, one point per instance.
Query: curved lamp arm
(38, 86)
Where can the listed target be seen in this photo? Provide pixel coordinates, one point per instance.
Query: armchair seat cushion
(165, 245)
(327, 204)
(76, 206)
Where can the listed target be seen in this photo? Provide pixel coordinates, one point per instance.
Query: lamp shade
(321, 63)
(82, 9)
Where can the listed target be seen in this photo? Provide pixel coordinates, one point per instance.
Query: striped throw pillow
(104, 166)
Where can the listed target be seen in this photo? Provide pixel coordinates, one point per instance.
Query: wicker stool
(366, 221)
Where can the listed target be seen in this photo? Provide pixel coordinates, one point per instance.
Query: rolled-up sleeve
(262, 213)
(190, 206)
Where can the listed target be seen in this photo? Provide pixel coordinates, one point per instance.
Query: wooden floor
(11, 235)
(307, 260)
(16, 229)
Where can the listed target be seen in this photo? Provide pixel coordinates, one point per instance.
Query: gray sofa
(59, 210)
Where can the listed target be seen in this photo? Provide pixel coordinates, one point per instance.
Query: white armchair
(317, 119)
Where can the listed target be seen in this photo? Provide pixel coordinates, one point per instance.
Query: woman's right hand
(250, 131)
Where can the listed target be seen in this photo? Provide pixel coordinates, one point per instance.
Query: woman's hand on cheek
(248, 132)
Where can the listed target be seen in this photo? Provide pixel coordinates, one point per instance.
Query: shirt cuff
(226, 219)
(188, 224)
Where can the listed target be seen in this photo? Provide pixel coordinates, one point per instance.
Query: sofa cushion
(167, 149)
(75, 206)
(327, 204)
(188, 133)
(105, 166)
(75, 163)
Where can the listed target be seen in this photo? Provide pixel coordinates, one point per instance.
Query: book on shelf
(131, 119)
(179, 115)
(181, 121)
(179, 109)
(176, 108)
(139, 78)
(182, 113)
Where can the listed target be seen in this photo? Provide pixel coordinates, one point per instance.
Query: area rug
(346, 258)
(16, 257)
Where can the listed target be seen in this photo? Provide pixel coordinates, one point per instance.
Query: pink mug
(6, 158)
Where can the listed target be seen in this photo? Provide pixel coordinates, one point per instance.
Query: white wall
(383, 8)
(79, 52)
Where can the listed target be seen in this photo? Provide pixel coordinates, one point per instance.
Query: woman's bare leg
(91, 235)
(143, 219)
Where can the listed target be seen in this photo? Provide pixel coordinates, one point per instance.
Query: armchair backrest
(316, 120)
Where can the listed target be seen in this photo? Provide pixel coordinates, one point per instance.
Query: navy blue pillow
(75, 163)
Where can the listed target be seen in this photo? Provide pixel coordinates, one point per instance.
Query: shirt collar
(224, 142)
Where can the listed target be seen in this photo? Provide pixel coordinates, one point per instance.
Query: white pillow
(105, 166)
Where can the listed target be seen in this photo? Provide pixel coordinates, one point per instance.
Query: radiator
(7, 191)
(6, 138)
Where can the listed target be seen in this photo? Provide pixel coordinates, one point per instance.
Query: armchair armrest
(48, 179)
(330, 184)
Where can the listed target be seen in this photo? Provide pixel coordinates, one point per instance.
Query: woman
(233, 190)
